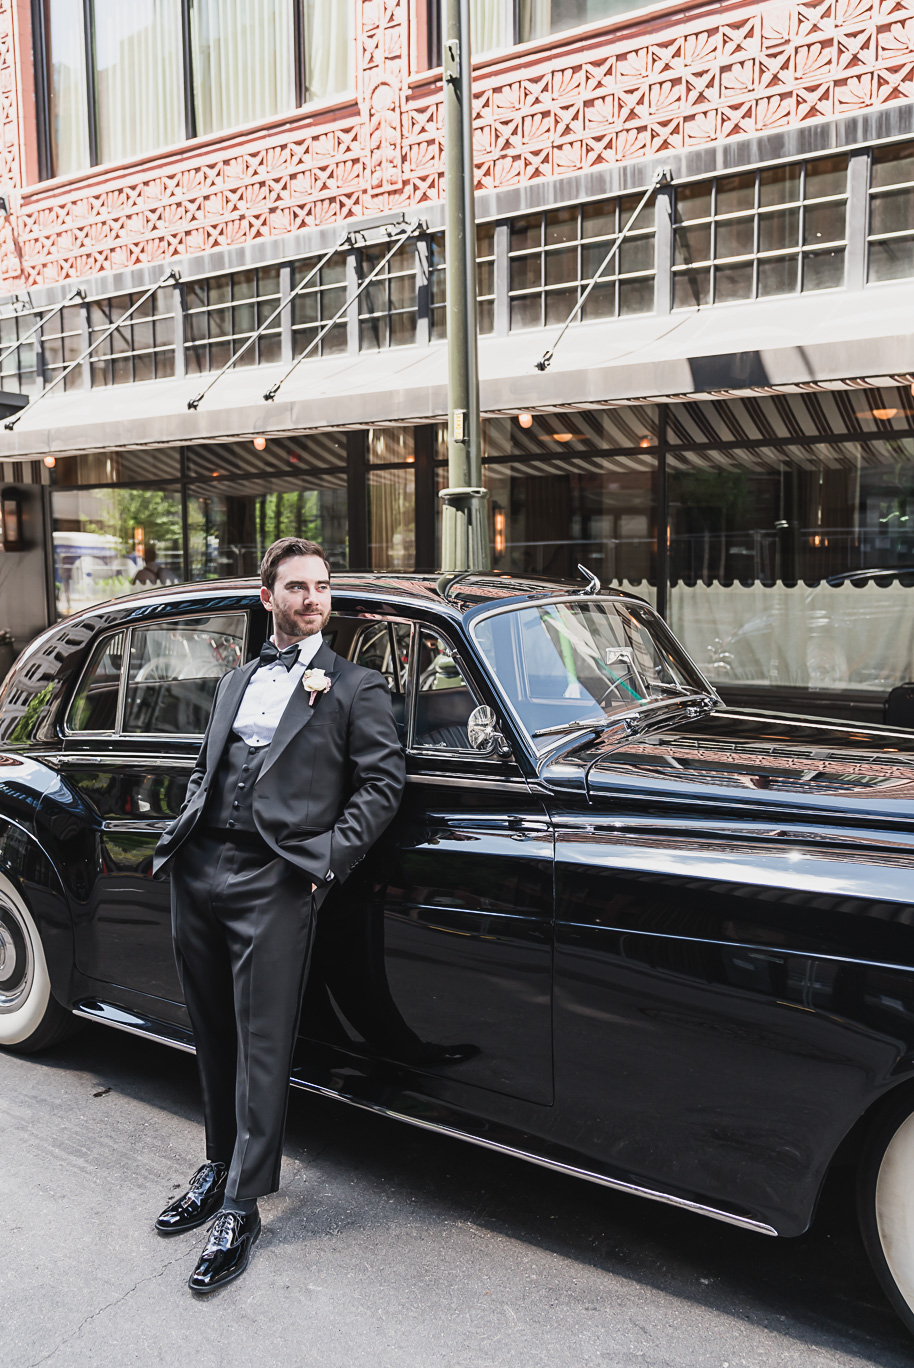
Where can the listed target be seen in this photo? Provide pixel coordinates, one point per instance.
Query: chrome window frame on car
(127, 629)
(481, 613)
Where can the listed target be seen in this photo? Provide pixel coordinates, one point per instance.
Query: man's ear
(266, 598)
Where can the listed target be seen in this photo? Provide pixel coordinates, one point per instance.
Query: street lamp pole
(465, 529)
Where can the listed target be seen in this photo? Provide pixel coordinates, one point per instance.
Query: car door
(438, 952)
(132, 733)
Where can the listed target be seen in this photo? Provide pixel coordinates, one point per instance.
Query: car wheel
(30, 1018)
(885, 1203)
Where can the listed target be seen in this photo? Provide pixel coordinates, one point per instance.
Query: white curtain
(329, 48)
(491, 25)
(816, 637)
(243, 54)
(535, 19)
(69, 111)
(138, 76)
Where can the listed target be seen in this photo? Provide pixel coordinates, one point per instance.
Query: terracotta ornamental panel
(655, 84)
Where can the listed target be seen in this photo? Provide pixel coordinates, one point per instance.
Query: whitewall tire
(30, 1018)
(886, 1204)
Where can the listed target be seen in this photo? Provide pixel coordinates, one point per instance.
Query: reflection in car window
(385, 647)
(173, 671)
(94, 709)
(443, 698)
(570, 662)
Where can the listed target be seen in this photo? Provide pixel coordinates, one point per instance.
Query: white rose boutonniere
(314, 682)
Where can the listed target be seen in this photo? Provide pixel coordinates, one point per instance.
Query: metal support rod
(195, 402)
(464, 522)
(406, 231)
(662, 566)
(76, 294)
(170, 275)
(660, 179)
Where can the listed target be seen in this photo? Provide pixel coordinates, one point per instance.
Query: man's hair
(282, 550)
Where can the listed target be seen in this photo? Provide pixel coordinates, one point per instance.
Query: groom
(299, 773)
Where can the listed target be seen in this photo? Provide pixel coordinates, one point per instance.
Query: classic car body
(665, 945)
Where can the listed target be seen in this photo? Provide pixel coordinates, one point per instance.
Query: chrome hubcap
(17, 964)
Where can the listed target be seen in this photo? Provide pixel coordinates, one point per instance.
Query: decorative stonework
(661, 85)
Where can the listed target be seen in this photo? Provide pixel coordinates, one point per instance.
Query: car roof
(458, 592)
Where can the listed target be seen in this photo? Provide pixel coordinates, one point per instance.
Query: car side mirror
(483, 734)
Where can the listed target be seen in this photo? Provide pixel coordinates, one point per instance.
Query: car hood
(751, 761)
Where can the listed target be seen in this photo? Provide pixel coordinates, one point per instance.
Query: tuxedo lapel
(228, 706)
(297, 712)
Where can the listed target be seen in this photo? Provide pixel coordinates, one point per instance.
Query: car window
(173, 671)
(384, 646)
(444, 700)
(94, 707)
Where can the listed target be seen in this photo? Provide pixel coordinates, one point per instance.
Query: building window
(770, 232)
(120, 80)
(498, 24)
(61, 344)
(485, 281)
(318, 302)
(19, 370)
(221, 313)
(143, 348)
(387, 308)
(555, 255)
(891, 226)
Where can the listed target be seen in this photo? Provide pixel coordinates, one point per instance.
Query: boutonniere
(314, 682)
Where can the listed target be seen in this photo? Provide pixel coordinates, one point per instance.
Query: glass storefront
(785, 557)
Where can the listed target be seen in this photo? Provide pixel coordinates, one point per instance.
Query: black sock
(242, 1206)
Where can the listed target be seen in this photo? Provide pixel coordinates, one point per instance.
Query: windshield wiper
(580, 724)
(635, 719)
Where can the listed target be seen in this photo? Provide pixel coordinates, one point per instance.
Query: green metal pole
(465, 526)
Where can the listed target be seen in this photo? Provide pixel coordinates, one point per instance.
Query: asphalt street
(387, 1248)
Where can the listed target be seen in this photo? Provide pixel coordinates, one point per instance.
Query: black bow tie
(270, 654)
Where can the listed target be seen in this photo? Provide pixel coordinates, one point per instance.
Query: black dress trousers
(243, 927)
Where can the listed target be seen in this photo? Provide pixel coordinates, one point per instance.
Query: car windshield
(577, 663)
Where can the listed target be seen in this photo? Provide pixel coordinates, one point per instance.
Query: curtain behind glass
(69, 119)
(539, 18)
(491, 25)
(138, 77)
(243, 54)
(329, 47)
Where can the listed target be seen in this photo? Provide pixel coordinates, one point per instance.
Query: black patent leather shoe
(227, 1251)
(199, 1204)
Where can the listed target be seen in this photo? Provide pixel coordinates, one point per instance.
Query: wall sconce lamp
(499, 528)
(11, 518)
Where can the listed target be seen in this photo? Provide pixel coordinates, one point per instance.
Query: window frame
(412, 693)
(41, 55)
(118, 733)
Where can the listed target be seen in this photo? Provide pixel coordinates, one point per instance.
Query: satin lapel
(297, 713)
(228, 706)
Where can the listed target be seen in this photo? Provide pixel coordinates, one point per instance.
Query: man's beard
(288, 624)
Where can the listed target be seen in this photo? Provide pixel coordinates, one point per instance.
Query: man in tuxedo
(300, 772)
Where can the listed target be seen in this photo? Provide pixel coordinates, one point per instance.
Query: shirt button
(241, 783)
(230, 822)
(236, 804)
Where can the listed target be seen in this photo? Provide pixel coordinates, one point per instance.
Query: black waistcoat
(230, 804)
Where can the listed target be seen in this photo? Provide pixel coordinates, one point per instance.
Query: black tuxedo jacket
(331, 781)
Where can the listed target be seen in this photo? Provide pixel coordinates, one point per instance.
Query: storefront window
(114, 541)
(392, 498)
(230, 525)
(65, 77)
(791, 563)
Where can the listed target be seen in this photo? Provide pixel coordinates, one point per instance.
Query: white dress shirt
(269, 689)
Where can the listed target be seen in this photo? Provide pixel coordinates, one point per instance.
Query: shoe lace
(222, 1232)
(201, 1180)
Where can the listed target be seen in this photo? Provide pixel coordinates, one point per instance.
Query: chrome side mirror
(482, 731)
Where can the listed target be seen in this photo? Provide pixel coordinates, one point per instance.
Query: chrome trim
(481, 783)
(617, 1184)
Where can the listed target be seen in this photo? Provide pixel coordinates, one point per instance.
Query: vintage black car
(616, 928)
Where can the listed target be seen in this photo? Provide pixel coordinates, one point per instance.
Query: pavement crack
(93, 1315)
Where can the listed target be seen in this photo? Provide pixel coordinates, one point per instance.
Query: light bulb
(260, 443)
(525, 419)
